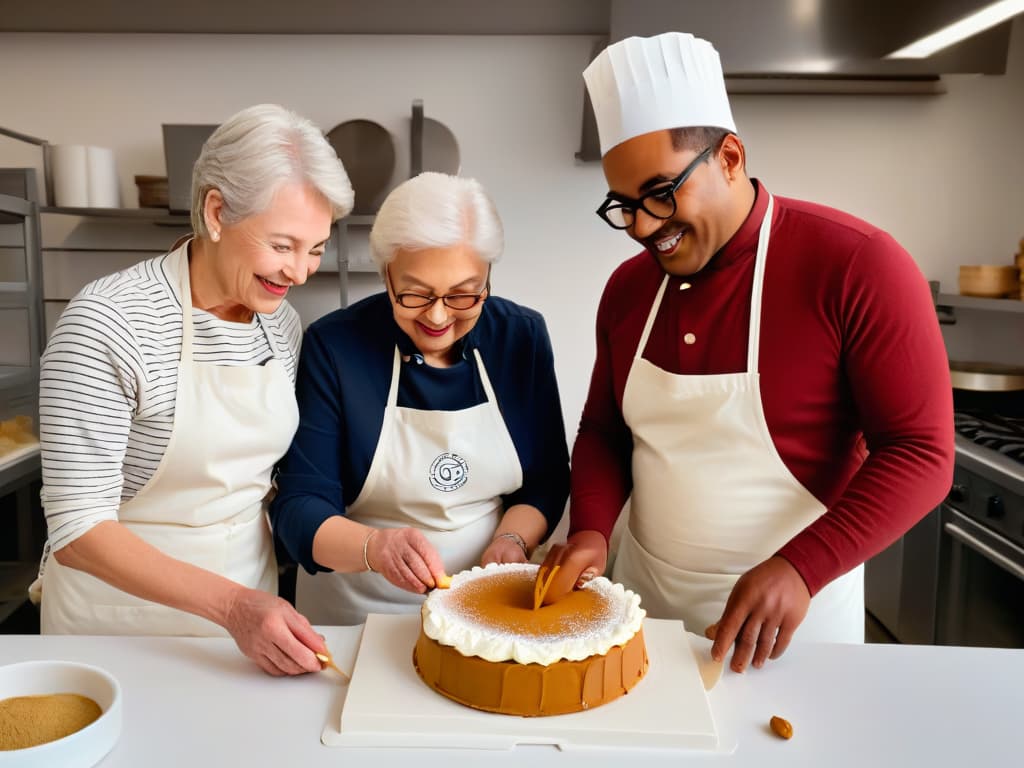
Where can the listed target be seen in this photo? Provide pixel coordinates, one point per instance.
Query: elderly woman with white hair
(167, 397)
(430, 434)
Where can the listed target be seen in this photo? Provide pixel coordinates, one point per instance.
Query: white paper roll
(70, 175)
(104, 188)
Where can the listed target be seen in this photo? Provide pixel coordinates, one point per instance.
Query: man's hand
(583, 556)
(404, 557)
(764, 608)
(272, 633)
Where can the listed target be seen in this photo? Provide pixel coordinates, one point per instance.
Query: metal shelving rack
(951, 300)
(154, 215)
(340, 235)
(166, 218)
(19, 387)
(19, 384)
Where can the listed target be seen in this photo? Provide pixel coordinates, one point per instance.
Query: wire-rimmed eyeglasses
(457, 301)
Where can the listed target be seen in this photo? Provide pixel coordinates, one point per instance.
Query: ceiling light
(979, 21)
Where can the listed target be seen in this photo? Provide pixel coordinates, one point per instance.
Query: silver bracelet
(366, 543)
(517, 539)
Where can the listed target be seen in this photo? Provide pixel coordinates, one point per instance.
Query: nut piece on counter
(781, 727)
(711, 632)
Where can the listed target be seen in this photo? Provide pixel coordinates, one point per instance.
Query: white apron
(443, 472)
(205, 503)
(711, 496)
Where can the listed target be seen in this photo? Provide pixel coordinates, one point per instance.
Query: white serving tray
(388, 705)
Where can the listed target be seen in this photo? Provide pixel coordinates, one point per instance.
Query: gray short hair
(435, 210)
(255, 151)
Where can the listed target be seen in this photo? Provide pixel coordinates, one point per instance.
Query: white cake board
(388, 705)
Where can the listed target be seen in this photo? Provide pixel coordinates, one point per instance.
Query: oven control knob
(996, 509)
(958, 492)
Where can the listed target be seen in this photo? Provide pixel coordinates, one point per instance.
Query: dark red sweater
(854, 376)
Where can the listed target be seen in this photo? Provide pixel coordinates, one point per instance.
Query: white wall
(944, 174)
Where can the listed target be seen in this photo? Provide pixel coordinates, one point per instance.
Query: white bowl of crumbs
(57, 713)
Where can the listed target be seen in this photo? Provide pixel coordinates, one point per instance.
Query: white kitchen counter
(199, 702)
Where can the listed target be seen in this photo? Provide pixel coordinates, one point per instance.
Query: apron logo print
(449, 472)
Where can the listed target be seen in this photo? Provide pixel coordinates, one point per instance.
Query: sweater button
(689, 338)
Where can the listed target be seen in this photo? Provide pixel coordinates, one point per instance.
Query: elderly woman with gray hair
(430, 435)
(167, 397)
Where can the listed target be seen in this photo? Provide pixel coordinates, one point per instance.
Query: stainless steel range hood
(840, 39)
(832, 47)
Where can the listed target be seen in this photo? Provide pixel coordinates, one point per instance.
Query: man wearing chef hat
(770, 390)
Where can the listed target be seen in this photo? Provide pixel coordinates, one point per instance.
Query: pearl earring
(215, 236)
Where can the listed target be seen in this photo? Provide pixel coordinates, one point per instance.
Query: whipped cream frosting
(448, 623)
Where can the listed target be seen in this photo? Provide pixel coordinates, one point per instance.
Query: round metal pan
(440, 148)
(986, 377)
(433, 145)
(367, 151)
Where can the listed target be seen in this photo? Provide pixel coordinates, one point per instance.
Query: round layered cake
(484, 645)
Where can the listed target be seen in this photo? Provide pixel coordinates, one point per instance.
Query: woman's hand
(404, 557)
(505, 548)
(521, 529)
(272, 633)
(266, 628)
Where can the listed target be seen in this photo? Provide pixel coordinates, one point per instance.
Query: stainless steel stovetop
(992, 443)
(1002, 434)
(988, 481)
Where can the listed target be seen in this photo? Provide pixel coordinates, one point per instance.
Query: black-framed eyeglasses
(460, 301)
(619, 211)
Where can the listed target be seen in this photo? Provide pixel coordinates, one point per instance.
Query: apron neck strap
(396, 368)
(178, 260)
(650, 318)
(484, 379)
(271, 340)
(754, 334)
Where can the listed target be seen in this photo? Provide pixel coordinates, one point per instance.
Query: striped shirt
(108, 383)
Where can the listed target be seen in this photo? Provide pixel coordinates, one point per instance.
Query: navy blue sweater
(342, 388)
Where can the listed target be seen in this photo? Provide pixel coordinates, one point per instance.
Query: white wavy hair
(257, 150)
(435, 210)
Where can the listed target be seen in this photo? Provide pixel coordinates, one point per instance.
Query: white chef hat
(644, 84)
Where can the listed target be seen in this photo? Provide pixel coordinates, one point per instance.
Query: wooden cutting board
(388, 705)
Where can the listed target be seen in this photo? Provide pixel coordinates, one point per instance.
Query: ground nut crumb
(27, 721)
